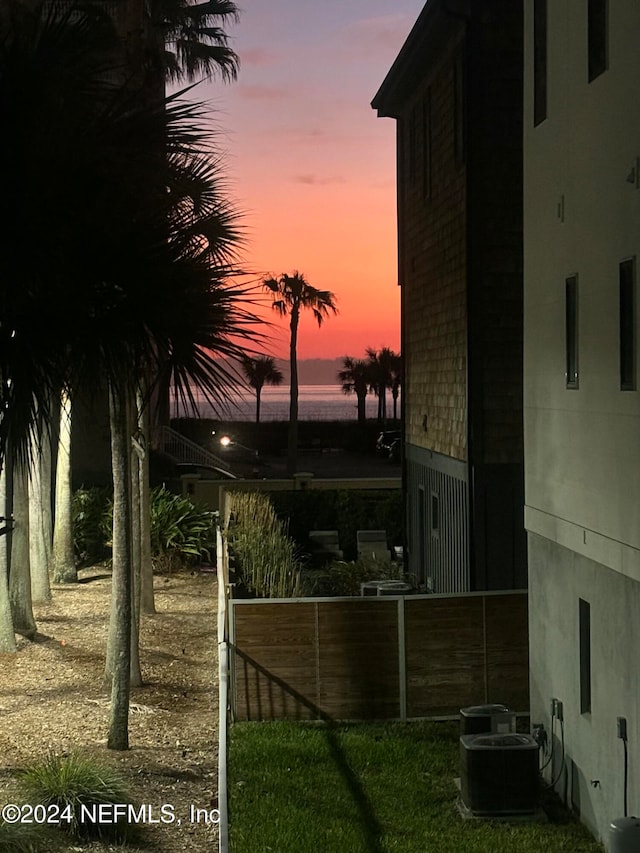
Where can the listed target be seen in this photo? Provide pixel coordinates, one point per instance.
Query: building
(455, 91)
(581, 399)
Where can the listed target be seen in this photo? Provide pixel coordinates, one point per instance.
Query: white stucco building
(581, 397)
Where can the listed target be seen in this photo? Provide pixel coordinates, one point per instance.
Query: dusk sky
(309, 162)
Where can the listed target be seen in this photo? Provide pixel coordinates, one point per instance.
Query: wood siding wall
(378, 658)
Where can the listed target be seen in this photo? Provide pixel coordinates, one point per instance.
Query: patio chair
(325, 543)
(373, 543)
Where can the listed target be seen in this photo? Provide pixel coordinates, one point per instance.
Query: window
(435, 514)
(598, 52)
(426, 146)
(584, 622)
(571, 323)
(539, 61)
(627, 325)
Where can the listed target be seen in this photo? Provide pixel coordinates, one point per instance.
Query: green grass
(367, 788)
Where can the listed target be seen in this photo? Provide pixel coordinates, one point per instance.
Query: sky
(310, 164)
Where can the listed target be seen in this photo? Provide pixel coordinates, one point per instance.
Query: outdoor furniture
(325, 543)
(373, 543)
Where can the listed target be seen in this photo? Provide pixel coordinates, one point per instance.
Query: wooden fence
(378, 657)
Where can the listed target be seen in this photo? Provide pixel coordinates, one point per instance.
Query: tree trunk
(147, 601)
(136, 553)
(258, 390)
(292, 453)
(19, 573)
(39, 545)
(63, 557)
(119, 640)
(7, 635)
(362, 407)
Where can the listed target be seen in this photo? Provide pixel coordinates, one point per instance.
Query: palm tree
(261, 371)
(194, 45)
(292, 294)
(397, 378)
(133, 235)
(381, 365)
(355, 378)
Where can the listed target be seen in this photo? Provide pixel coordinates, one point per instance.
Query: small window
(571, 323)
(627, 326)
(539, 61)
(435, 514)
(426, 146)
(584, 620)
(598, 51)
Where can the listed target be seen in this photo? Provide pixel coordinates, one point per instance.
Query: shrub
(267, 560)
(344, 578)
(71, 782)
(91, 520)
(181, 532)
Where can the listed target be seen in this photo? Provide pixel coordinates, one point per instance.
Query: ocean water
(315, 403)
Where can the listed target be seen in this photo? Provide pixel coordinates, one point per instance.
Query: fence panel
(378, 658)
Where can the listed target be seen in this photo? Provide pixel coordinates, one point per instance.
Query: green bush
(72, 782)
(344, 578)
(181, 532)
(266, 559)
(91, 520)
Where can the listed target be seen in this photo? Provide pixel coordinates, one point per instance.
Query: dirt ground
(51, 700)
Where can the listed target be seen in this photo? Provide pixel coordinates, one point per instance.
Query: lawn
(367, 788)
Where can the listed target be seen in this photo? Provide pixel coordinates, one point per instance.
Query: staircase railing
(181, 449)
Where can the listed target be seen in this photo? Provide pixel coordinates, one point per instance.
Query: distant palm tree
(355, 379)
(397, 378)
(261, 371)
(291, 295)
(381, 364)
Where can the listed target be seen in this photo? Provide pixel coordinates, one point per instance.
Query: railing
(181, 449)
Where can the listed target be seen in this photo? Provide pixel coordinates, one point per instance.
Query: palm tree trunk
(63, 557)
(7, 635)
(119, 641)
(362, 407)
(292, 454)
(19, 573)
(136, 547)
(147, 601)
(39, 544)
(258, 390)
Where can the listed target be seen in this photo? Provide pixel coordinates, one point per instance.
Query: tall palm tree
(355, 378)
(261, 371)
(192, 40)
(381, 365)
(134, 244)
(292, 294)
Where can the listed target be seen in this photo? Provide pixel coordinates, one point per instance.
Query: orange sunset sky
(309, 162)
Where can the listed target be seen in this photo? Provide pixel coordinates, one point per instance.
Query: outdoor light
(227, 441)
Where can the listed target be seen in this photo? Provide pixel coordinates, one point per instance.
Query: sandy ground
(51, 700)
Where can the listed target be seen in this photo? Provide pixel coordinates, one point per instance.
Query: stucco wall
(558, 578)
(582, 217)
